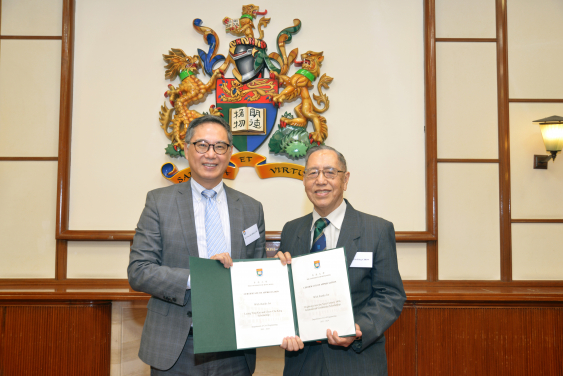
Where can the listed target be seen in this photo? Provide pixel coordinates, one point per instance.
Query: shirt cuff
(357, 345)
(189, 287)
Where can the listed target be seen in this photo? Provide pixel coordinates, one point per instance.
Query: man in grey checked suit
(377, 290)
(203, 218)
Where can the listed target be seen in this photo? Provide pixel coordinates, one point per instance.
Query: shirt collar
(198, 188)
(336, 217)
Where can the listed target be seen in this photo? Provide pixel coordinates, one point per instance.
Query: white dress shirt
(199, 216)
(332, 231)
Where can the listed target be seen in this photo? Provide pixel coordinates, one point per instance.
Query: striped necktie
(213, 228)
(319, 239)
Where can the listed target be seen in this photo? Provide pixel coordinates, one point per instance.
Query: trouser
(314, 364)
(228, 363)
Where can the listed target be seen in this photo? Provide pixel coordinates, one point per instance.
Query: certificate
(257, 303)
(322, 294)
(262, 303)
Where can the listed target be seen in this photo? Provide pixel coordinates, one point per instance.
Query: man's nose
(321, 179)
(210, 153)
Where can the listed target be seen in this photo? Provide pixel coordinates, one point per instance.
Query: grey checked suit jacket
(159, 265)
(377, 293)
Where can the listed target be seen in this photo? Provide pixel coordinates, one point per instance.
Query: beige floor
(269, 361)
(127, 325)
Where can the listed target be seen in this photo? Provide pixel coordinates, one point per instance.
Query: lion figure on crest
(190, 91)
(299, 85)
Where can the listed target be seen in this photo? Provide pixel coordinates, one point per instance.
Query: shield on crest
(317, 264)
(249, 110)
(259, 272)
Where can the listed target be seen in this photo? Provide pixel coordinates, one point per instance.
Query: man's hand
(225, 259)
(285, 258)
(334, 339)
(292, 344)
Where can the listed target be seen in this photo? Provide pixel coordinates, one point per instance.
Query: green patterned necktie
(319, 238)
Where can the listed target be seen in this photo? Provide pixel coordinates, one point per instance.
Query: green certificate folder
(213, 305)
(213, 313)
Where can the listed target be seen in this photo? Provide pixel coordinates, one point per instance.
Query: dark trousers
(314, 364)
(228, 363)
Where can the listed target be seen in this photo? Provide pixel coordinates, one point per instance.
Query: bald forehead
(329, 159)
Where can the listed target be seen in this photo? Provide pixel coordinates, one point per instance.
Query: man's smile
(322, 192)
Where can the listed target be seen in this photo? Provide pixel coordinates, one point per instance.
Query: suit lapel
(236, 221)
(303, 243)
(349, 232)
(186, 209)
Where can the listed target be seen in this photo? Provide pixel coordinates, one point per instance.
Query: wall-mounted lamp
(552, 133)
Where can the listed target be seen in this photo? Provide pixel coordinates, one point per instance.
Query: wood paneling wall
(473, 340)
(400, 344)
(490, 341)
(55, 339)
(456, 338)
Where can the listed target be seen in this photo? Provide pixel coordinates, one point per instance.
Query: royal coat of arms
(250, 100)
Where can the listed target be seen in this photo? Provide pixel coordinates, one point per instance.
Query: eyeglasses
(202, 147)
(329, 173)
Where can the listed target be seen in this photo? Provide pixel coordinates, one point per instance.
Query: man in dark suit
(377, 289)
(203, 218)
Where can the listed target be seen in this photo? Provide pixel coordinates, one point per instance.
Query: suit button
(174, 300)
(189, 313)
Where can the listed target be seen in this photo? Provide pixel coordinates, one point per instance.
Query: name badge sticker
(362, 260)
(251, 234)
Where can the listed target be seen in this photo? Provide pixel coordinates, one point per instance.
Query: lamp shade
(552, 132)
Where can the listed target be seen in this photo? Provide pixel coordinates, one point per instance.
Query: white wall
(535, 48)
(465, 19)
(29, 118)
(466, 89)
(27, 215)
(30, 76)
(376, 119)
(119, 81)
(467, 128)
(535, 51)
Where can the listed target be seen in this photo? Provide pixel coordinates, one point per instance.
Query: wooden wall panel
(489, 341)
(2, 337)
(63, 339)
(501, 337)
(400, 344)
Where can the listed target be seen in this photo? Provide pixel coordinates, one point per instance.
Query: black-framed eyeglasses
(329, 173)
(202, 147)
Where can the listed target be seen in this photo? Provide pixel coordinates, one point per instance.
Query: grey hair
(208, 119)
(314, 149)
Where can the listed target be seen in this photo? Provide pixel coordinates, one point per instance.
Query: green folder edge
(212, 304)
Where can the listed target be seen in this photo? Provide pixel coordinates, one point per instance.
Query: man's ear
(186, 149)
(346, 179)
